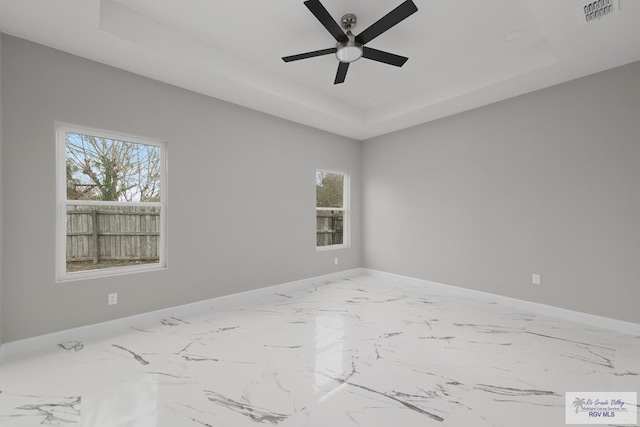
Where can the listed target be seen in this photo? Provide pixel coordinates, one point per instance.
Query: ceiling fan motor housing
(349, 21)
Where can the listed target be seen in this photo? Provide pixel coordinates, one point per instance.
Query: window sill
(331, 247)
(107, 272)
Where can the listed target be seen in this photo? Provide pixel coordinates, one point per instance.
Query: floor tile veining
(361, 351)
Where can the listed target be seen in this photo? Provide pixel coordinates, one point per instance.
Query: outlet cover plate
(113, 298)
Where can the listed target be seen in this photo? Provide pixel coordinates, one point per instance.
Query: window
(111, 203)
(332, 215)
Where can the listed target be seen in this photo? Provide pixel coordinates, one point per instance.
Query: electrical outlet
(535, 279)
(335, 260)
(113, 298)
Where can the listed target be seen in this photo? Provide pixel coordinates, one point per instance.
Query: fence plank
(96, 236)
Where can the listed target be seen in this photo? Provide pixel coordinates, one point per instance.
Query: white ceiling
(459, 55)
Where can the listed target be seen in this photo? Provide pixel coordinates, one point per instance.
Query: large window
(111, 203)
(332, 214)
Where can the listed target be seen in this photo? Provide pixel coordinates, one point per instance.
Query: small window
(332, 215)
(112, 203)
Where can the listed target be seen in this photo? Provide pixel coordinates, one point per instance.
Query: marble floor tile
(363, 351)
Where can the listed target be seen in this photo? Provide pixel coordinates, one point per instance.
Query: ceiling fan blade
(386, 57)
(392, 18)
(326, 20)
(309, 54)
(342, 73)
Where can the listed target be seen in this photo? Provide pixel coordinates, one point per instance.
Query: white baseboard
(537, 308)
(141, 320)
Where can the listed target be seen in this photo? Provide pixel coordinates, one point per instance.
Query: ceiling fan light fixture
(349, 51)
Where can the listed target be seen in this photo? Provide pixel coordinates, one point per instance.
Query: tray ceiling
(462, 53)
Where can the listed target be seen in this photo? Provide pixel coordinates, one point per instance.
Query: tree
(72, 183)
(111, 170)
(329, 190)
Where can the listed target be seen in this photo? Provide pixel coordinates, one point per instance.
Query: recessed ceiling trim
(128, 24)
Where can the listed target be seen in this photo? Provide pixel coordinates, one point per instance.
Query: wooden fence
(129, 234)
(330, 228)
(107, 233)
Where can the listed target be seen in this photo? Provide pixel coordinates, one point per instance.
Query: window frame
(61, 204)
(346, 210)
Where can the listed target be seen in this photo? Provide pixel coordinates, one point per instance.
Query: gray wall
(1, 185)
(543, 183)
(252, 175)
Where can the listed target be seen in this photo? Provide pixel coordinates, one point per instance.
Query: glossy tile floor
(360, 351)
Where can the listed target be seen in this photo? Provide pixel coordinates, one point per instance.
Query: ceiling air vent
(596, 10)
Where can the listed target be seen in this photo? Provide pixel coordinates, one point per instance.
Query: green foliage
(329, 190)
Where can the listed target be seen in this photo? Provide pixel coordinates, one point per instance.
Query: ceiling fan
(350, 48)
